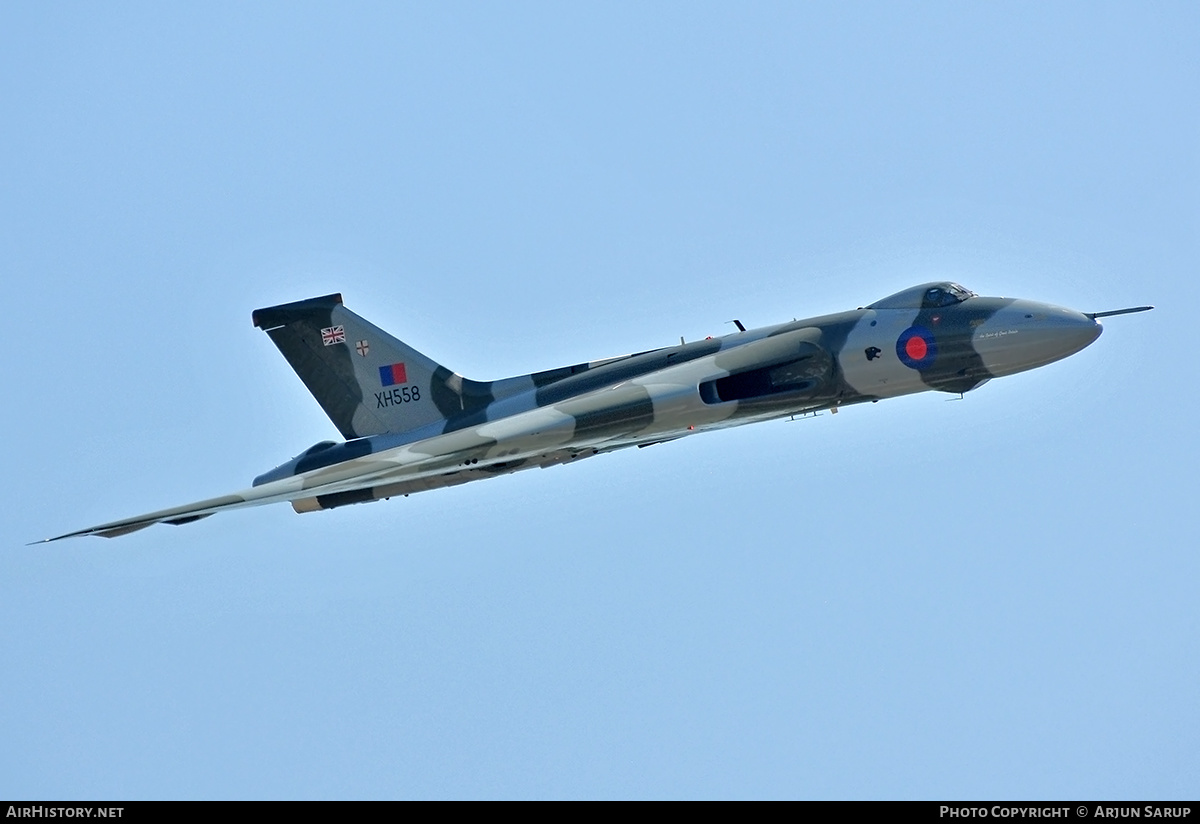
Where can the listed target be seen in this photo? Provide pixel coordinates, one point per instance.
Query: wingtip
(47, 540)
(55, 538)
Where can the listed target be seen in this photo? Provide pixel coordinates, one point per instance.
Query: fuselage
(933, 337)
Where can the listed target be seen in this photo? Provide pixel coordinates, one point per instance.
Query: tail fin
(367, 381)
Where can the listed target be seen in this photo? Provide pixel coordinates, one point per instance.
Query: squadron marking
(392, 374)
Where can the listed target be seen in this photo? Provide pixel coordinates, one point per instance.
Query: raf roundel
(916, 348)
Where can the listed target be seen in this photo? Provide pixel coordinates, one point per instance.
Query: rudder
(367, 381)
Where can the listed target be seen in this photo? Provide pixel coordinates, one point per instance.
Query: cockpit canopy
(926, 296)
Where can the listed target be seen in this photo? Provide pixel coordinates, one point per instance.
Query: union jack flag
(333, 334)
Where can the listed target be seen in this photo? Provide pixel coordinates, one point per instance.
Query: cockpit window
(960, 294)
(928, 296)
(944, 296)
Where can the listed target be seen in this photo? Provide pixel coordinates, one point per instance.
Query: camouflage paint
(412, 424)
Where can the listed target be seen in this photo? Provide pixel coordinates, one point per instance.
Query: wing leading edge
(445, 460)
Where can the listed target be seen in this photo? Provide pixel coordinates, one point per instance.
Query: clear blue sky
(991, 598)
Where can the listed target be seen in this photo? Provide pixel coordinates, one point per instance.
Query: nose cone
(1026, 335)
(1061, 333)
